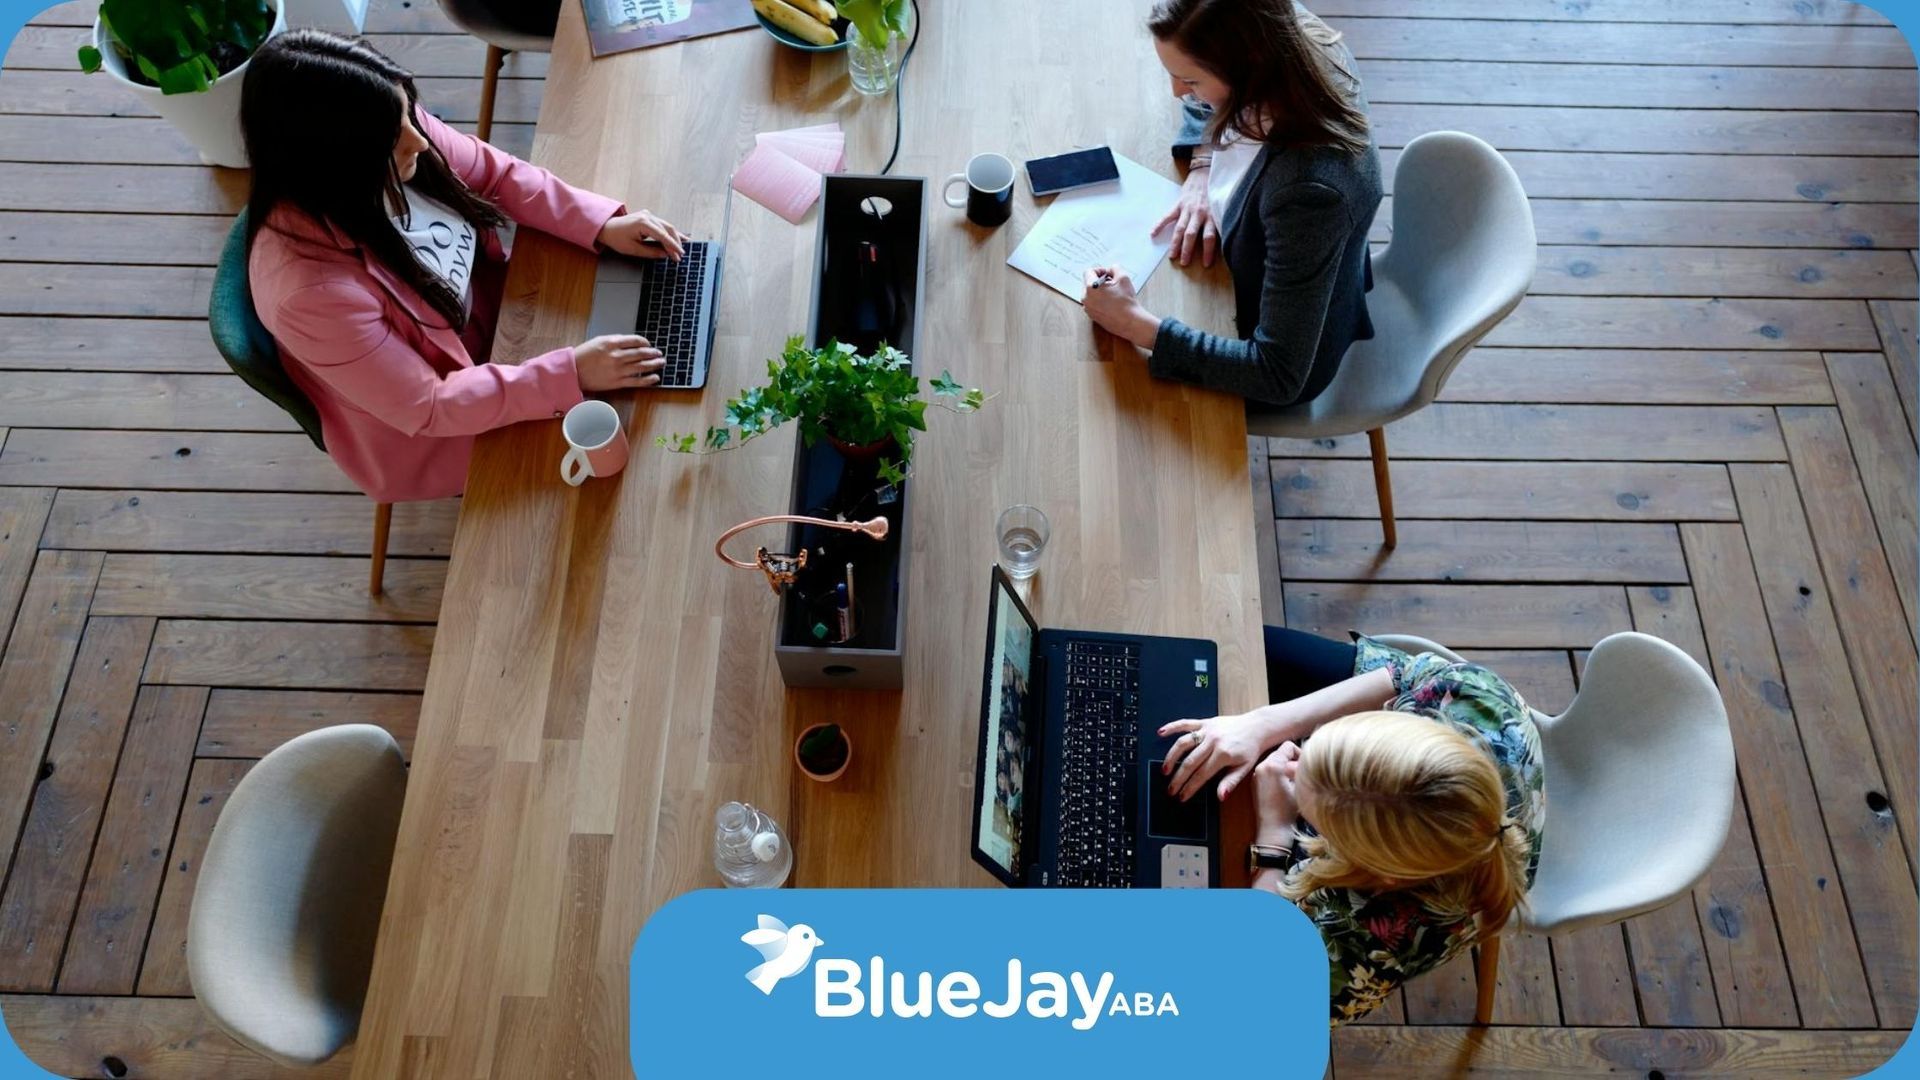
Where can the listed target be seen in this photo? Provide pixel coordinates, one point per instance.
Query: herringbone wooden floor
(1701, 425)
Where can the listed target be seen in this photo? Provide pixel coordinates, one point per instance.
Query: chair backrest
(1463, 250)
(244, 341)
(287, 906)
(513, 25)
(1640, 784)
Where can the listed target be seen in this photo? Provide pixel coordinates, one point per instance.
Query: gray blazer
(1295, 240)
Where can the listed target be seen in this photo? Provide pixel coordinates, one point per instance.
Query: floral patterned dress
(1376, 941)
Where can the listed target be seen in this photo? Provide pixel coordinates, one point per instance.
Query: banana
(796, 22)
(819, 9)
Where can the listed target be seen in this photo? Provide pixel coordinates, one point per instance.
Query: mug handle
(574, 468)
(947, 188)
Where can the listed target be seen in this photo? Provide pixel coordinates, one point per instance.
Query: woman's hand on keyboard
(1208, 748)
(617, 362)
(643, 235)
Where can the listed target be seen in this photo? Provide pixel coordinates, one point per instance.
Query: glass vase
(872, 68)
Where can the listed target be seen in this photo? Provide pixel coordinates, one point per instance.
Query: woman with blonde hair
(1400, 806)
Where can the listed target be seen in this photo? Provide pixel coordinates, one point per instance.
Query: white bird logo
(785, 952)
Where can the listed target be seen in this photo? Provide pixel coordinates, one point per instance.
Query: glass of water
(1023, 532)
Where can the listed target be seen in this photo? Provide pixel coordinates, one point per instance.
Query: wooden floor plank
(115, 186)
(1567, 433)
(1582, 491)
(1747, 971)
(117, 291)
(1517, 1053)
(23, 514)
(129, 860)
(51, 47)
(1595, 978)
(1883, 456)
(1695, 271)
(1822, 952)
(1639, 377)
(146, 345)
(73, 93)
(1263, 529)
(1634, 322)
(184, 460)
(129, 400)
(246, 522)
(1474, 82)
(163, 971)
(35, 144)
(1543, 676)
(1629, 43)
(290, 655)
(50, 861)
(1524, 991)
(1669, 131)
(267, 587)
(1445, 995)
(1464, 616)
(1865, 595)
(1745, 12)
(251, 723)
(1895, 323)
(1639, 223)
(150, 1037)
(1873, 849)
(33, 673)
(112, 239)
(1492, 551)
(1706, 179)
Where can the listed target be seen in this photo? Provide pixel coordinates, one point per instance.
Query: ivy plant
(838, 393)
(180, 46)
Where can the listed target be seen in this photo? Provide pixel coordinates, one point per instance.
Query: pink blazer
(399, 398)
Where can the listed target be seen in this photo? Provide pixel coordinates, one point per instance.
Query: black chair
(506, 26)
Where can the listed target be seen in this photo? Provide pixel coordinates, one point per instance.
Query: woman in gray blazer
(1283, 177)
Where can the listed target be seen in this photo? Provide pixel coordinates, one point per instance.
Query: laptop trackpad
(1168, 817)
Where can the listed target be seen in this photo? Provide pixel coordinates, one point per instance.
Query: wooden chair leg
(1486, 969)
(1383, 485)
(382, 524)
(489, 83)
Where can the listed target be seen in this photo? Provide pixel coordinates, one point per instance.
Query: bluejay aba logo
(843, 988)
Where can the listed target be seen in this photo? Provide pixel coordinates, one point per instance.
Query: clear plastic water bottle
(749, 850)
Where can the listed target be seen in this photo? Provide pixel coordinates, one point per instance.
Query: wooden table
(601, 683)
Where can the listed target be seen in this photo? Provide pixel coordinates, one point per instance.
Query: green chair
(249, 350)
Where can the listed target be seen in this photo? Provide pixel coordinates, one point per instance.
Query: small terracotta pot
(868, 452)
(825, 778)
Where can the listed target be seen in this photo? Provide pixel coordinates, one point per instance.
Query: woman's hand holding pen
(1112, 305)
(643, 235)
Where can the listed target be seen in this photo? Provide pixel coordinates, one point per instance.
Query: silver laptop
(671, 304)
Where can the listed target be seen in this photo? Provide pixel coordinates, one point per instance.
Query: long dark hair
(321, 116)
(1279, 75)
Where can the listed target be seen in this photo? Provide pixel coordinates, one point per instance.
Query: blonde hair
(1405, 803)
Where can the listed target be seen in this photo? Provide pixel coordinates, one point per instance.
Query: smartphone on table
(1064, 172)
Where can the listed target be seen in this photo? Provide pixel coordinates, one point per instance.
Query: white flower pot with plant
(187, 59)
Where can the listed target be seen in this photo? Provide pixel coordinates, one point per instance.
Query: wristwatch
(1267, 857)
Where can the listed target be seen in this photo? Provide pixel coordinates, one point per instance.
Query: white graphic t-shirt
(442, 240)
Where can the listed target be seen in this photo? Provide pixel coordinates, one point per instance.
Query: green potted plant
(867, 406)
(874, 32)
(822, 751)
(187, 59)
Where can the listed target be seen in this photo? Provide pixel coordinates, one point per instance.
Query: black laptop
(670, 303)
(1069, 786)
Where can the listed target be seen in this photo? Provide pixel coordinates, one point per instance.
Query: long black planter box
(828, 483)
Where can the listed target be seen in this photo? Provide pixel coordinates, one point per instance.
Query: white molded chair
(280, 938)
(1640, 790)
(1461, 258)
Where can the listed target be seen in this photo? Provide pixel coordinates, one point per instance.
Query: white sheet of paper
(1104, 224)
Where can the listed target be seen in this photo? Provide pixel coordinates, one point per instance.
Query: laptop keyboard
(670, 312)
(1101, 736)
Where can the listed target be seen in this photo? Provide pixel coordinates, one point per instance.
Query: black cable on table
(899, 89)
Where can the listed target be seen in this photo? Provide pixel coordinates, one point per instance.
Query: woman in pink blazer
(376, 263)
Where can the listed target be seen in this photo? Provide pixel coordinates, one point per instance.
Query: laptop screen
(1006, 741)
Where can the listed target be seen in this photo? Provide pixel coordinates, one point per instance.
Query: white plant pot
(211, 119)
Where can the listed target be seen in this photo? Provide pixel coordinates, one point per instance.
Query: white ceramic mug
(596, 443)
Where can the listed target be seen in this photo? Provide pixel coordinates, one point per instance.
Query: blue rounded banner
(950, 982)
